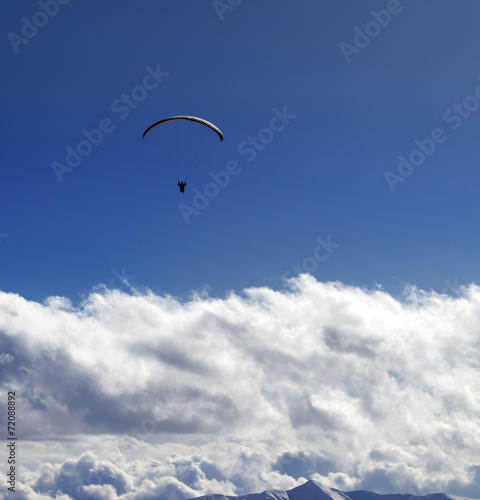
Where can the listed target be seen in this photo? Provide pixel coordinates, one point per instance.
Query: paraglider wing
(182, 142)
(189, 118)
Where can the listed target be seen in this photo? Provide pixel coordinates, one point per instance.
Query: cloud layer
(174, 399)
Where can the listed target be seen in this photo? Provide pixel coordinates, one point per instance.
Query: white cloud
(253, 391)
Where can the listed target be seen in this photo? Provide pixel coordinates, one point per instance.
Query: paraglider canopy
(188, 118)
(182, 141)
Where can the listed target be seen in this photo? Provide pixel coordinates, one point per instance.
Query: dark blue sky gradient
(322, 175)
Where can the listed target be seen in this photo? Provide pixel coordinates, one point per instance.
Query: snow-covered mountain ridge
(313, 490)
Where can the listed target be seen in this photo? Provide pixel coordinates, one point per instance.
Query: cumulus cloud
(263, 389)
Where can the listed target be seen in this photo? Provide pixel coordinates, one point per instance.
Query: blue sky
(116, 308)
(323, 175)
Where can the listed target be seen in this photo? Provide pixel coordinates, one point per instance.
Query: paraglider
(183, 141)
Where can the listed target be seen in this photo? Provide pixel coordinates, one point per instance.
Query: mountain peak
(313, 490)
